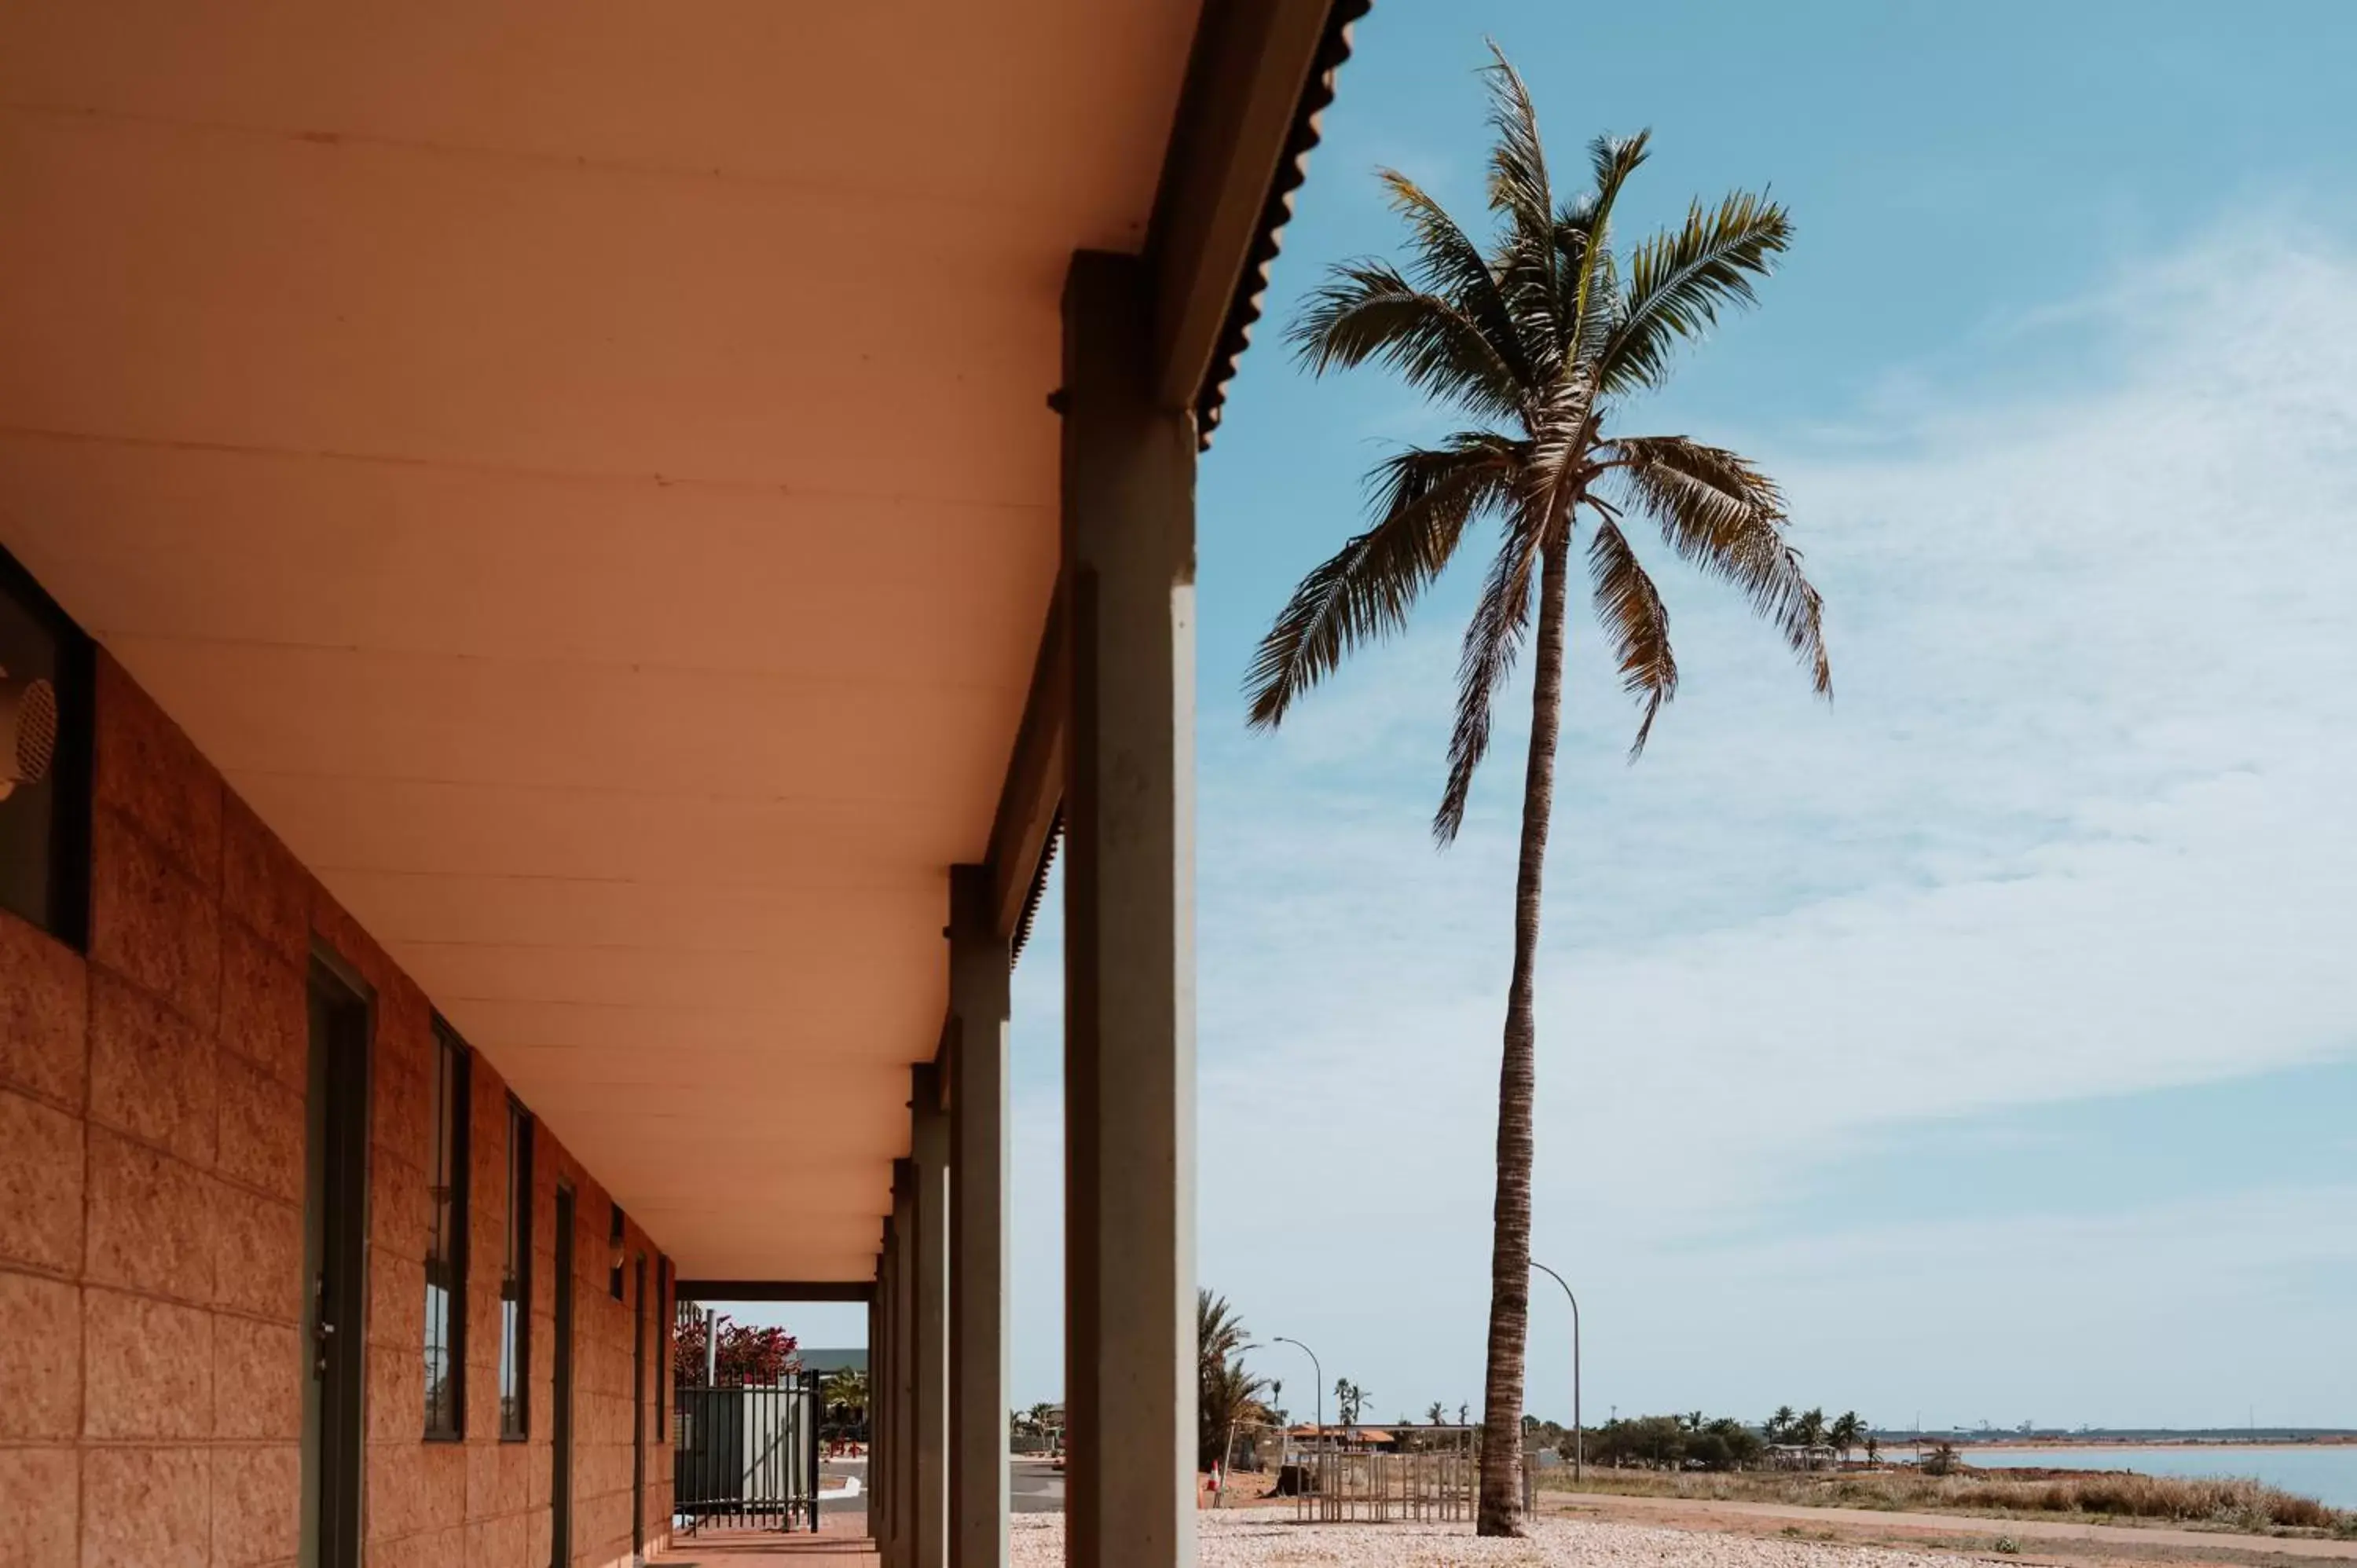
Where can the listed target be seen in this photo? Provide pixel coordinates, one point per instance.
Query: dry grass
(2240, 1505)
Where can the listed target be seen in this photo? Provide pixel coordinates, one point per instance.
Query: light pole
(1317, 1376)
(1579, 1437)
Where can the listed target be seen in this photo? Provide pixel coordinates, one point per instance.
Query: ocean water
(2327, 1473)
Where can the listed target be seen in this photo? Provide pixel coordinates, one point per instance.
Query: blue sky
(1984, 1045)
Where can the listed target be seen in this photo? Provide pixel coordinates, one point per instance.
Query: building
(567, 545)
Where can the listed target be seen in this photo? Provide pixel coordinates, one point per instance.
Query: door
(638, 1410)
(335, 1257)
(560, 1492)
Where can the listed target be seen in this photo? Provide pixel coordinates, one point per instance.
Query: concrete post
(1129, 929)
(902, 1501)
(877, 1366)
(929, 1454)
(978, 1160)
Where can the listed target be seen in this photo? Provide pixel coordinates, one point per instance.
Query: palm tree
(1810, 1429)
(1436, 1413)
(1219, 1332)
(1779, 1425)
(1225, 1391)
(1543, 341)
(1845, 1433)
(846, 1387)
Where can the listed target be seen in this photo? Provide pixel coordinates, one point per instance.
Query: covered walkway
(599, 547)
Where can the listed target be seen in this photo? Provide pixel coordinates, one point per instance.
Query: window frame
(73, 771)
(449, 1152)
(664, 1337)
(515, 1280)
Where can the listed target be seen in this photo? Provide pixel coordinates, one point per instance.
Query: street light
(1579, 1437)
(1316, 1375)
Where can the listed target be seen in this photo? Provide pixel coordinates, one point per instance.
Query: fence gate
(745, 1456)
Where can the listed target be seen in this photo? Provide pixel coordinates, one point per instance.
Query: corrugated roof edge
(1292, 168)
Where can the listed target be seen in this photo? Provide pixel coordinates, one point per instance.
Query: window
(613, 1237)
(446, 1243)
(663, 1350)
(45, 730)
(515, 1283)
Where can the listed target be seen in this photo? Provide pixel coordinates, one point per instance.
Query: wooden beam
(1252, 63)
(773, 1290)
(1035, 780)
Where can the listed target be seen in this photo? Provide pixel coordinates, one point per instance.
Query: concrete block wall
(152, 1178)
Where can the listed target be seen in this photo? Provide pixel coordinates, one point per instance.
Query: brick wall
(152, 1178)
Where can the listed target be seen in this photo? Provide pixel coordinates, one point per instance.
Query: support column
(1129, 930)
(901, 1501)
(929, 1154)
(876, 1368)
(978, 1160)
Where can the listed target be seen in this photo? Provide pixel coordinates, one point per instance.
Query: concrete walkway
(2123, 1535)
(846, 1544)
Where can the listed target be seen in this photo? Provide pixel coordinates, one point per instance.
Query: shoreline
(1966, 1447)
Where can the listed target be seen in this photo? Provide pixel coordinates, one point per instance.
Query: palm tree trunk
(1510, 1248)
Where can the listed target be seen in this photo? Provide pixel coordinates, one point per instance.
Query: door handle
(322, 1331)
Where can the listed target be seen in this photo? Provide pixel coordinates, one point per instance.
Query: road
(1034, 1485)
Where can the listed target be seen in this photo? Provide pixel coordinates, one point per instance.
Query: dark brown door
(638, 1410)
(560, 1492)
(335, 1263)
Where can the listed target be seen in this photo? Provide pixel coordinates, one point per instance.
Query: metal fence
(1340, 1485)
(746, 1458)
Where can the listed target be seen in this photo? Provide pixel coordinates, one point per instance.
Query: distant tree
(1940, 1461)
(1350, 1399)
(846, 1390)
(1779, 1425)
(761, 1358)
(1811, 1428)
(1873, 1449)
(1219, 1332)
(1225, 1393)
(1845, 1432)
(1435, 1413)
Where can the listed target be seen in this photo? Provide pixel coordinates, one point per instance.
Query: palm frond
(1591, 299)
(1493, 639)
(1518, 172)
(1636, 620)
(1679, 279)
(1449, 264)
(1366, 310)
(1422, 498)
(1719, 512)
(1524, 262)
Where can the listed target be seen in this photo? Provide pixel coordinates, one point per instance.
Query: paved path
(2127, 1535)
(848, 1547)
(1034, 1485)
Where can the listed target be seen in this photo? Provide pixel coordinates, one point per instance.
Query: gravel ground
(1254, 1538)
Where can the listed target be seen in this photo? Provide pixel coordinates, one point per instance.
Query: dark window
(45, 747)
(445, 1255)
(515, 1283)
(663, 1350)
(614, 1236)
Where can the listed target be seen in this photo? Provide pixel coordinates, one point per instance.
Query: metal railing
(747, 1456)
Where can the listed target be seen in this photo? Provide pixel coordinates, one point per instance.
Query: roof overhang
(586, 475)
